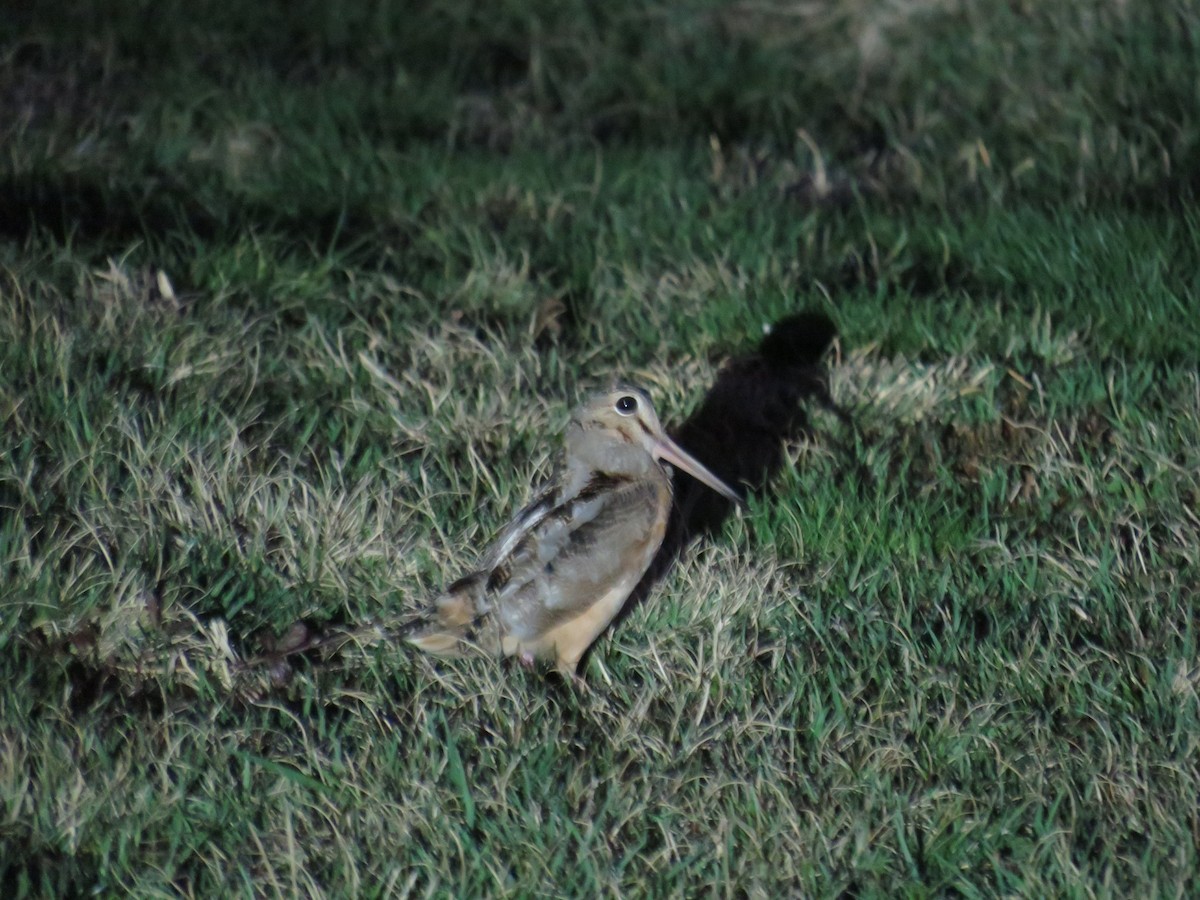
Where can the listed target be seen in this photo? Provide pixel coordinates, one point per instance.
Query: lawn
(296, 300)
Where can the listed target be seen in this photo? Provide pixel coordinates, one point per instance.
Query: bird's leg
(525, 658)
(569, 670)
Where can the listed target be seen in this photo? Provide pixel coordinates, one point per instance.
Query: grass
(294, 304)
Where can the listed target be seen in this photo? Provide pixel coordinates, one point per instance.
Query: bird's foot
(569, 673)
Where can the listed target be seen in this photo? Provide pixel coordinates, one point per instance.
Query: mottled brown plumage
(557, 574)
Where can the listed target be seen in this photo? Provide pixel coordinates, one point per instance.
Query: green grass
(294, 305)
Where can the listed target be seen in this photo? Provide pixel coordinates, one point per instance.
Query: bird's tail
(453, 622)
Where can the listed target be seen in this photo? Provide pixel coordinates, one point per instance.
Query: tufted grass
(294, 306)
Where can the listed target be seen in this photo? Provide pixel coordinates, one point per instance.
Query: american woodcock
(559, 572)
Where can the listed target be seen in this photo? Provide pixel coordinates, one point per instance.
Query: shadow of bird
(758, 403)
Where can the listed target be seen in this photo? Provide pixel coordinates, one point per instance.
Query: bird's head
(618, 432)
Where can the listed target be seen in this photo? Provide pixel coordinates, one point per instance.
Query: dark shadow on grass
(76, 207)
(758, 403)
(108, 217)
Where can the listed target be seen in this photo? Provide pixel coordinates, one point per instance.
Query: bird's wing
(458, 615)
(569, 553)
(523, 523)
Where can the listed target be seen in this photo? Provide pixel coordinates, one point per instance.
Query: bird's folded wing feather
(561, 554)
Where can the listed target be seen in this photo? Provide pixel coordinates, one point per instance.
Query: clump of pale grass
(903, 392)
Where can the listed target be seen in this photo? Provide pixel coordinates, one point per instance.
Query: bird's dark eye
(627, 405)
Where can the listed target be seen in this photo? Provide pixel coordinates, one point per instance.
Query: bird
(559, 572)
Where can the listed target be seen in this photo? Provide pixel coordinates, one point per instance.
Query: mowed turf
(294, 305)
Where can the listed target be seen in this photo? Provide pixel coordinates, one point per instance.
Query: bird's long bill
(669, 451)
